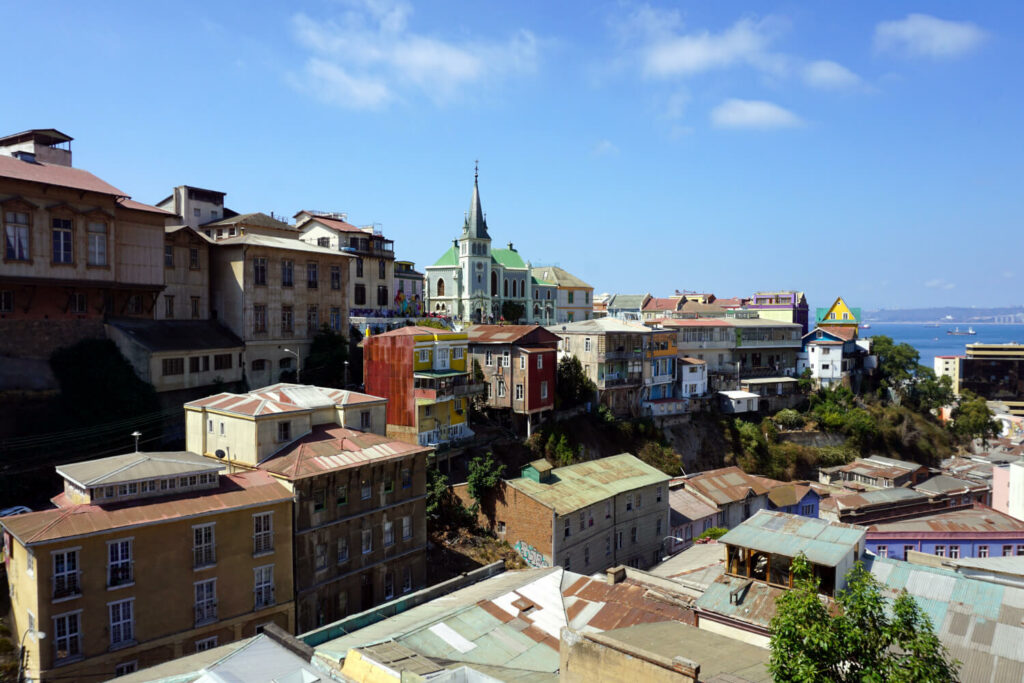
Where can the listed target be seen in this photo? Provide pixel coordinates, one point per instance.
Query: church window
(440, 287)
(506, 286)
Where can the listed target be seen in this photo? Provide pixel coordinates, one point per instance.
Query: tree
(897, 363)
(483, 477)
(971, 419)
(437, 493)
(512, 312)
(572, 386)
(931, 392)
(325, 364)
(863, 640)
(715, 532)
(806, 381)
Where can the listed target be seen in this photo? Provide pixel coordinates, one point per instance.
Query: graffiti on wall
(531, 555)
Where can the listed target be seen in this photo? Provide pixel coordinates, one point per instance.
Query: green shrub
(789, 419)
(715, 532)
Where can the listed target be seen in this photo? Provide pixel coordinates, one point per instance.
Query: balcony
(620, 354)
(66, 586)
(206, 612)
(205, 556)
(121, 575)
(665, 407)
(263, 597)
(620, 380)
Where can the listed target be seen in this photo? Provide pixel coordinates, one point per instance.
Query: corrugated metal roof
(328, 448)
(118, 469)
(686, 507)
(55, 174)
(282, 398)
(975, 520)
(235, 490)
(726, 485)
(880, 497)
(946, 484)
(558, 276)
(599, 326)
(578, 486)
(824, 543)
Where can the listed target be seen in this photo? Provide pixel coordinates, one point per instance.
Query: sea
(933, 341)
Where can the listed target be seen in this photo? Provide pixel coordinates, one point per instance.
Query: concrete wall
(589, 657)
(1015, 501)
(182, 281)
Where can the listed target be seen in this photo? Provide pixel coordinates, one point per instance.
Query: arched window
(494, 283)
(506, 286)
(440, 287)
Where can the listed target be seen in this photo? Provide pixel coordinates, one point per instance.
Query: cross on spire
(476, 169)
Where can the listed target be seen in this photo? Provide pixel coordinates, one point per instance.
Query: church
(471, 282)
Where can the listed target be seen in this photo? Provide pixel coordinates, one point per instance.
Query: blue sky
(869, 149)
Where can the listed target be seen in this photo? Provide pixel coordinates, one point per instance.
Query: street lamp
(136, 434)
(298, 365)
(21, 650)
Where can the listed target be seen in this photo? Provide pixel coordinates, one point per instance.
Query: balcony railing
(204, 557)
(206, 612)
(623, 381)
(66, 585)
(263, 597)
(120, 575)
(620, 354)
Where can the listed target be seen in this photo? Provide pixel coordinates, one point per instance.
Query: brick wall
(27, 338)
(526, 522)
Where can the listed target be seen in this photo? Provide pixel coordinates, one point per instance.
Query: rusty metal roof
(508, 334)
(578, 486)
(946, 484)
(726, 485)
(788, 494)
(822, 542)
(55, 174)
(756, 603)
(979, 519)
(592, 605)
(235, 490)
(282, 398)
(686, 507)
(855, 501)
(328, 448)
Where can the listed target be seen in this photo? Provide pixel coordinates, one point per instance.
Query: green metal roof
(448, 258)
(578, 486)
(822, 542)
(508, 258)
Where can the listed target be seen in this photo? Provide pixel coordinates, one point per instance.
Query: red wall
(387, 372)
(547, 373)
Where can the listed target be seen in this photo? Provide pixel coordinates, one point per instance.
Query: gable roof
(789, 494)
(631, 302)
(56, 175)
(448, 258)
(665, 303)
(558, 276)
(117, 469)
(726, 484)
(177, 335)
(823, 542)
(256, 218)
(330, 222)
(282, 398)
(509, 258)
(599, 326)
(508, 334)
(328, 448)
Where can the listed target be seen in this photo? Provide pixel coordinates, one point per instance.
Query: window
(206, 601)
(222, 361)
(173, 366)
(263, 586)
(406, 478)
(568, 528)
(458, 352)
(284, 431)
(570, 296)
(543, 390)
(203, 546)
(67, 638)
(1020, 549)
(906, 550)
(204, 644)
(583, 520)
(367, 541)
(335, 318)
(335, 277)
(16, 236)
(389, 585)
(629, 502)
(522, 362)
(657, 527)
(125, 668)
(506, 359)
(389, 483)
(62, 241)
(193, 258)
(6, 301)
(259, 270)
(940, 550)
(1007, 551)
(259, 319)
(119, 563)
(540, 361)
(365, 491)
(501, 388)
(259, 365)
(360, 295)
(633, 535)
(607, 509)
(639, 500)
(586, 344)
(194, 308)
(657, 495)
(406, 579)
(406, 528)
(312, 275)
(982, 551)
(341, 495)
(287, 320)
(501, 527)
(343, 549)
(78, 303)
(389, 534)
(65, 574)
(359, 266)
(382, 269)
(954, 552)
(519, 392)
(489, 358)
(97, 233)
(607, 545)
(382, 295)
(618, 540)
(312, 319)
(122, 621)
(262, 532)
(287, 273)
(568, 558)
(197, 212)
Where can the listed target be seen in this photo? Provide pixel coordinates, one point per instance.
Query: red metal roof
(53, 174)
(328, 448)
(336, 224)
(235, 490)
(412, 331)
(508, 334)
(139, 206)
(593, 603)
(665, 303)
(281, 398)
(845, 332)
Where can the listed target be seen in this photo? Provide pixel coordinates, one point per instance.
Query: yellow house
(838, 314)
(145, 558)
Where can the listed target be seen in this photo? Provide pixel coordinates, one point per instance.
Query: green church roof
(448, 258)
(508, 258)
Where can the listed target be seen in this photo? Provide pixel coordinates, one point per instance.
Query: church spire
(475, 226)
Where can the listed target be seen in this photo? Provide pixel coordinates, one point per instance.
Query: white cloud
(369, 57)
(604, 148)
(921, 35)
(745, 42)
(735, 113)
(829, 75)
(939, 283)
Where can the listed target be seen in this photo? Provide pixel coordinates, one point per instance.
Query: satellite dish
(219, 453)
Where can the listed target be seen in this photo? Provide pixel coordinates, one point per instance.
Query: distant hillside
(1012, 314)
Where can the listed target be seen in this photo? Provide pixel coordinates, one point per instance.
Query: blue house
(795, 499)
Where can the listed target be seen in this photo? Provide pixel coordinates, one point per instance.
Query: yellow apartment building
(145, 558)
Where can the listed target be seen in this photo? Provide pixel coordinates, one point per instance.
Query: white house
(693, 377)
(825, 359)
(738, 401)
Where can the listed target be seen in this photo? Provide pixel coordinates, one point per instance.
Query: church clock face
(479, 266)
